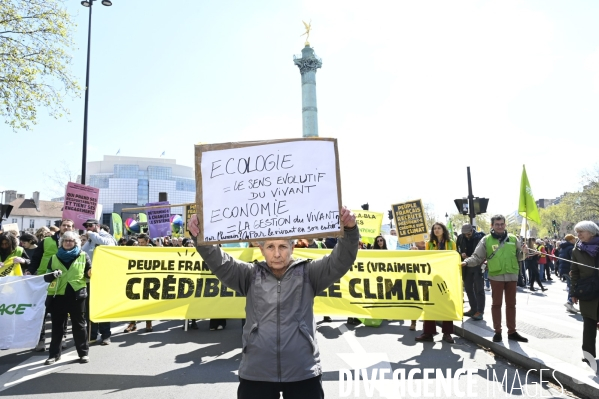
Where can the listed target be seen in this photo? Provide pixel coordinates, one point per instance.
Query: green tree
(566, 214)
(430, 215)
(589, 198)
(35, 36)
(458, 220)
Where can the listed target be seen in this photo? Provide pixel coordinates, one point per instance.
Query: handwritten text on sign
(281, 189)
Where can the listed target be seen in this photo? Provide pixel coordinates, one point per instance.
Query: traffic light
(390, 213)
(462, 205)
(365, 207)
(480, 205)
(554, 223)
(5, 210)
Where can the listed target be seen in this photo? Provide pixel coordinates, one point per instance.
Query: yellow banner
(143, 283)
(10, 269)
(369, 224)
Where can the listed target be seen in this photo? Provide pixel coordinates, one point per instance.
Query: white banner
(22, 309)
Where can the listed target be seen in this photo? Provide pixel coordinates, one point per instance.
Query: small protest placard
(80, 202)
(369, 224)
(410, 221)
(268, 189)
(159, 220)
(10, 227)
(190, 210)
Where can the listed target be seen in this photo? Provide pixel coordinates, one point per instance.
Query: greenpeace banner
(22, 311)
(8, 268)
(175, 283)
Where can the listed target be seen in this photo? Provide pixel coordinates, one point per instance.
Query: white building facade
(136, 180)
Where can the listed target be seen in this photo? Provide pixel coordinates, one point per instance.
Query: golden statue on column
(307, 32)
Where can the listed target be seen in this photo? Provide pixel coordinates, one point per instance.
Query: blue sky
(414, 91)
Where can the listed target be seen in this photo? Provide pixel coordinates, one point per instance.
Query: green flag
(117, 226)
(528, 207)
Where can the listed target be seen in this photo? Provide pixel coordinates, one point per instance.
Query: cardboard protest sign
(80, 203)
(10, 227)
(159, 220)
(369, 224)
(190, 210)
(268, 189)
(410, 221)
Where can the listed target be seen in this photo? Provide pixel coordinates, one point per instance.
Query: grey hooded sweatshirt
(279, 336)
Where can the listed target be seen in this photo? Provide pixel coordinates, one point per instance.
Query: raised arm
(325, 271)
(233, 273)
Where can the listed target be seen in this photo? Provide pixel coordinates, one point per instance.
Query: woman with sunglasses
(67, 293)
(379, 243)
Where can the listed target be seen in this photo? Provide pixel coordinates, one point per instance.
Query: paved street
(172, 363)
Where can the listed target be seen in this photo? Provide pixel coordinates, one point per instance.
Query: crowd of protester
(57, 251)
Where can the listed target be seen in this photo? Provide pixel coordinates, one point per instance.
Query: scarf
(591, 247)
(500, 237)
(68, 256)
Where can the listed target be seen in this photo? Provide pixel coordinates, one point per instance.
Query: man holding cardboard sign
(280, 353)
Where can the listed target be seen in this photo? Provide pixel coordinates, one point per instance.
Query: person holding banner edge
(440, 241)
(474, 283)
(67, 295)
(96, 236)
(12, 256)
(280, 353)
(39, 263)
(502, 251)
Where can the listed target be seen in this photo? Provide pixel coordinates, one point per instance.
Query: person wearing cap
(96, 237)
(502, 251)
(472, 274)
(564, 266)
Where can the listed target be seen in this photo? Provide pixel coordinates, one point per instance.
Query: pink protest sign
(80, 203)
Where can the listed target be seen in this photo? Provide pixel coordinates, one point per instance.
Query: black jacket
(467, 246)
(565, 252)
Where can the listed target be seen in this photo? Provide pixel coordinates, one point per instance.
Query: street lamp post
(89, 5)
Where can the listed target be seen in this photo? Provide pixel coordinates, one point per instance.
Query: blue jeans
(523, 272)
(566, 277)
(104, 328)
(486, 277)
(473, 283)
(542, 272)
